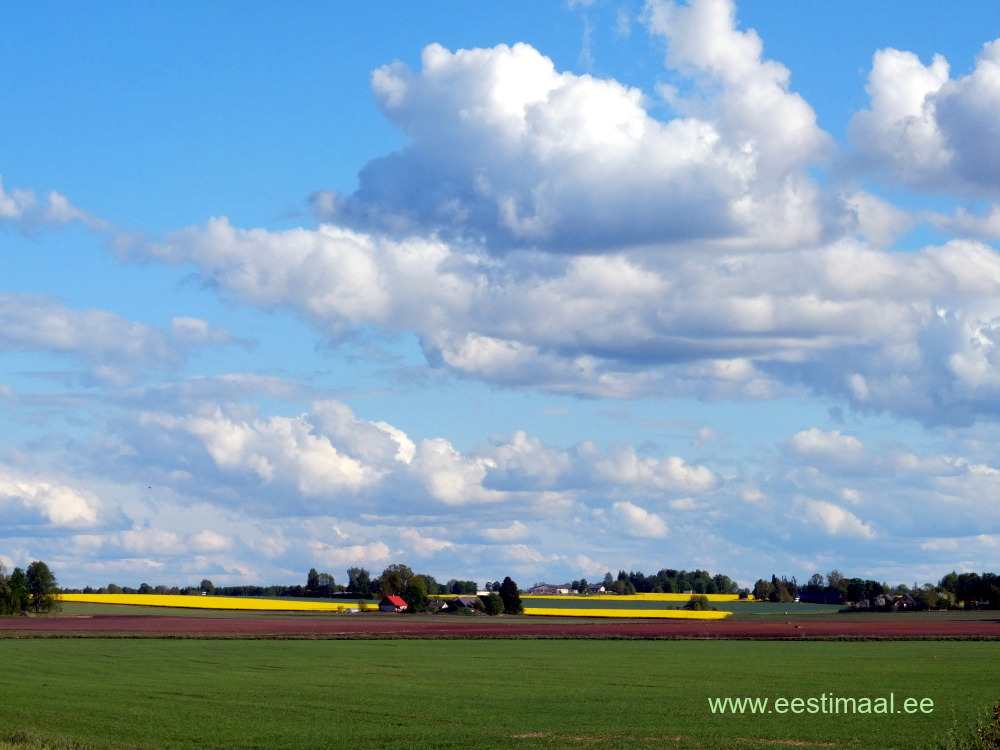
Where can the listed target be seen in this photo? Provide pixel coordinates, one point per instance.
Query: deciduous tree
(493, 603)
(415, 594)
(6, 597)
(359, 582)
(42, 587)
(19, 590)
(394, 579)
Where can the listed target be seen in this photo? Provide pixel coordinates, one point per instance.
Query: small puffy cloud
(621, 465)
(149, 542)
(638, 522)
(373, 553)
(521, 461)
(686, 504)
(30, 500)
(114, 348)
(280, 448)
(451, 478)
(23, 209)
(207, 541)
(422, 544)
(834, 519)
(513, 532)
(874, 219)
(526, 555)
(832, 447)
(940, 545)
(966, 223)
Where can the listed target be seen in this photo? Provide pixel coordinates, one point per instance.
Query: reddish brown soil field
(382, 626)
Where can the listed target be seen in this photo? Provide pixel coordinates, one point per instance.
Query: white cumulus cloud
(638, 522)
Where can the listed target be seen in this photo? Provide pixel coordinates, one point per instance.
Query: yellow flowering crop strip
(631, 614)
(635, 597)
(214, 602)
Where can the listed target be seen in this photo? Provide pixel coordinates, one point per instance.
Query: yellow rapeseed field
(215, 602)
(285, 605)
(637, 597)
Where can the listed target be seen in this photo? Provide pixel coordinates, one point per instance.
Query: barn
(392, 604)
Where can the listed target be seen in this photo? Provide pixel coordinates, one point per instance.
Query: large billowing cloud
(542, 230)
(502, 146)
(908, 333)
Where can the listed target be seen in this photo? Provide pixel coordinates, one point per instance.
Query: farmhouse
(392, 604)
(548, 589)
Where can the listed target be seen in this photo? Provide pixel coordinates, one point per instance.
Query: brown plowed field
(382, 626)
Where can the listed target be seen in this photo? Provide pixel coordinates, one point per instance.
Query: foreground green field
(482, 694)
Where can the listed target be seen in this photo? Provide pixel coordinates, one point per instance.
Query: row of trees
(360, 585)
(954, 589)
(31, 589)
(665, 581)
(394, 579)
(21, 590)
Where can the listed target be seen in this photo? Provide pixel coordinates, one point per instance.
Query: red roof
(395, 600)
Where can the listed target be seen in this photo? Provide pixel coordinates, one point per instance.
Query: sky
(543, 290)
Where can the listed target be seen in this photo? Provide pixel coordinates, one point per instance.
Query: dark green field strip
(160, 694)
(755, 609)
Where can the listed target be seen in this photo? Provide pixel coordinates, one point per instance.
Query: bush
(984, 736)
(699, 603)
(494, 604)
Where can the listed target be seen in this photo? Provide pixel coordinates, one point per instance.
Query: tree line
(970, 590)
(28, 590)
(34, 589)
(396, 580)
(664, 581)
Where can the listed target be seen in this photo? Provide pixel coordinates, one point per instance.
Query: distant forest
(953, 590)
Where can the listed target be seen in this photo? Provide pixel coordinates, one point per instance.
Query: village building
(549, 589)
(392, 604)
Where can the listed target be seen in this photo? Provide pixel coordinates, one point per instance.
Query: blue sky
(542, 291)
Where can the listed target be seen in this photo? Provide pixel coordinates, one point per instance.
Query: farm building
(548, 589)
(392, 604)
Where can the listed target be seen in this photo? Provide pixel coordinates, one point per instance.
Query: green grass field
(480, 694)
